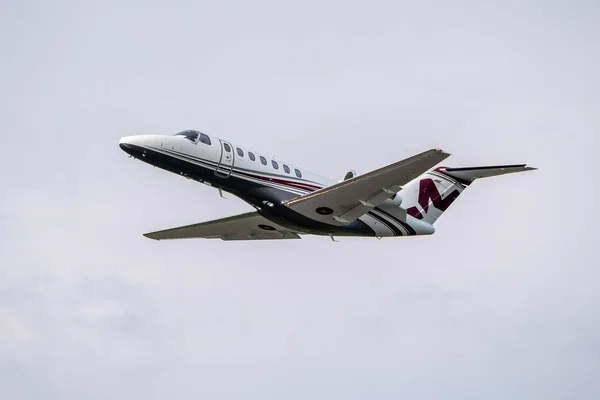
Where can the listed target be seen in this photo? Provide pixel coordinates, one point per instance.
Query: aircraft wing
(346, 201)
(249, 226)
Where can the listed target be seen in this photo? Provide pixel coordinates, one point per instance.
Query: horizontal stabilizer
(471, 173)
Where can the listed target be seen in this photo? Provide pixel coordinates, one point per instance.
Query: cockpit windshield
(191, 135)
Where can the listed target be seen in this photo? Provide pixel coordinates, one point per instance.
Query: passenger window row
(263, 160)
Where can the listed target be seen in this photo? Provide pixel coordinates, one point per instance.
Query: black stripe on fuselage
(409, 229)
(385, 223)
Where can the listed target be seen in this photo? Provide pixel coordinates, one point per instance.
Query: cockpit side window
(190, 135)
(204, 138)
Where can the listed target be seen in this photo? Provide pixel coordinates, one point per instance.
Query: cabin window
(204, 138)
(189, 134)
(240, 152)
(286, 169)
(298, 173)
(251, 155)
(274, 164)
(263, 160)
(227, 147)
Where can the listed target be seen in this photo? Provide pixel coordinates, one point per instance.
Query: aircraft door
(227, 160)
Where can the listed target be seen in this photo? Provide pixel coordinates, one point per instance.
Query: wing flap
(365, 205)
(249, 226)
(262, 236)
(346, 201)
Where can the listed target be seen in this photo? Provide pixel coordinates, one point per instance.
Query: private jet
(405, 198)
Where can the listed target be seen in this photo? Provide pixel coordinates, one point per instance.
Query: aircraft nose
(132, 145)
(125, 144)
(138, 145)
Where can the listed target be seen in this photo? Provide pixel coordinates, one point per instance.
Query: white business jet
(402, 199)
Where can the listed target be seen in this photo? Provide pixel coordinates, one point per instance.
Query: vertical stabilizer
(428, 196)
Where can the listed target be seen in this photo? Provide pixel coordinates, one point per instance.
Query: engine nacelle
(394, 201)
(349, 175)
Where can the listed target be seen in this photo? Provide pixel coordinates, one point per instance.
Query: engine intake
(394, 201)
(349, 175)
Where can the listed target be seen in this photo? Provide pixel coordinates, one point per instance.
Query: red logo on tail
(428, 193)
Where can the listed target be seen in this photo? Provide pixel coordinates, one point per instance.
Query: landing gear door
(227, 159)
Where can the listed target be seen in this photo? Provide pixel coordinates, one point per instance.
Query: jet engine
(349, 175)
(394, 201)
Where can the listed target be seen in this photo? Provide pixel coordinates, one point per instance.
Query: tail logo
(429, 194)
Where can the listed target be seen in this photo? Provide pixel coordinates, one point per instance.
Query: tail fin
(428, 196)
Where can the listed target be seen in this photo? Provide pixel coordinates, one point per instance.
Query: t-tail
(428, 196)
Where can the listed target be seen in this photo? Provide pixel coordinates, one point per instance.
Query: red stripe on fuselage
(294, 184)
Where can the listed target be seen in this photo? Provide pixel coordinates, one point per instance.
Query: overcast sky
(502, 302)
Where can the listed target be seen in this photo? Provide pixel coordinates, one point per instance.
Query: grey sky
(502, 302)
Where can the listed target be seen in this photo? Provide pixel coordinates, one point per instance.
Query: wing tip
(441, 152)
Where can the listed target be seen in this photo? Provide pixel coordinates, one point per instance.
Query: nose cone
(135, 145)
(139, 145)
(126, 144)
(123, 143)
